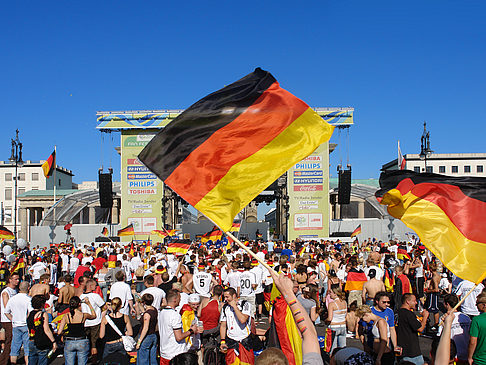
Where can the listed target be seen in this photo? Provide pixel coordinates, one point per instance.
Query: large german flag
(50, 164)
(229, 146)
(447, 213)
(355, 281)
(6, 234)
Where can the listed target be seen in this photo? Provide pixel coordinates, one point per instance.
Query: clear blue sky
(396, 63)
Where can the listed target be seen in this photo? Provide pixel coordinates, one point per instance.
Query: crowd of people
(112, 303)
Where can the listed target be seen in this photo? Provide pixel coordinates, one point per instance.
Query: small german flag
(179, 246)
(247, 134)
(50, 164)
(127, 231)
(301, 251)
(132, 251)
(356, 231)
(6, 234)
(20, 264)
(402, 253)
(235, 227)
(214, 235)
(104, 232)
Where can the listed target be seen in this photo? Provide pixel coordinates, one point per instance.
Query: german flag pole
(250, 252)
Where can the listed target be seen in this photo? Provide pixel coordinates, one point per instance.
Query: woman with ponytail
(76, 344)
(113, 341)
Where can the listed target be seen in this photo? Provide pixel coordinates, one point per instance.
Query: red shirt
(98, 262)
(79, 272)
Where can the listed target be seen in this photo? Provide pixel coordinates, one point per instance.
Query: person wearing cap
(477, 332)
(201, 281)
(189, 318)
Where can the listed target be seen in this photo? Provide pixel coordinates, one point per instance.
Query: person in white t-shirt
(257, 270)
(73, 265)
(459, 328)
(157, 293)
(235, 325)
(233, 278)
(92, 326)
(122, 290)
(65, 263)
(17, 309)
(37, 270)
(469, 305)
(172, 339)
(201, 282)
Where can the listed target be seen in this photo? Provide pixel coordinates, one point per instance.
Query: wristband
(223, 341)
(191, 331)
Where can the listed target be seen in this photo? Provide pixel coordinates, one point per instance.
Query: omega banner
(308, 190)
(141, 190)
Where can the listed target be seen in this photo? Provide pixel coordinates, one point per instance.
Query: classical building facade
(30, 177)
(452, 164)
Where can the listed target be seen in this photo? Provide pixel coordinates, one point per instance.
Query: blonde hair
(116, 304)
(341, 295)
(362, 310)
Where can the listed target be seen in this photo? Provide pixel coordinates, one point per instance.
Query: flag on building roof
(179, 246)
(401, 160)
(104, 232)
(446, 212)
(49, 165)
(6, 234)
(225, 149)
(356, 231)
(355, 281)
(127, 231)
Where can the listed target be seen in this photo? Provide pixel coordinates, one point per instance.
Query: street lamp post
(425, 150)
(16, 157)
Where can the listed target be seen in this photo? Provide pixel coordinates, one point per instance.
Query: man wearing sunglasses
(382, 309)
(477, 341)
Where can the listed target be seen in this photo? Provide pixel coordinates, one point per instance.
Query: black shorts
(420, 282)
(432, 302)
(259, 299)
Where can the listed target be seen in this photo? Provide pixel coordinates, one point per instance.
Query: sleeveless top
(210, 315)
(338, 317)
(75, 329)
(152, 312)
(36, 330)
(110, 333)
(11, 292)
(376, 332)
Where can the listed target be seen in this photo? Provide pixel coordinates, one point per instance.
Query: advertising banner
(141, 191)
(308, 190)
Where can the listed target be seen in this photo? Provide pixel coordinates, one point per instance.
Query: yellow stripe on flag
(462, 256)
(237, 188)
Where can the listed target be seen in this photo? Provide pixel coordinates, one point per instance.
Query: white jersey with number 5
(202, 283)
